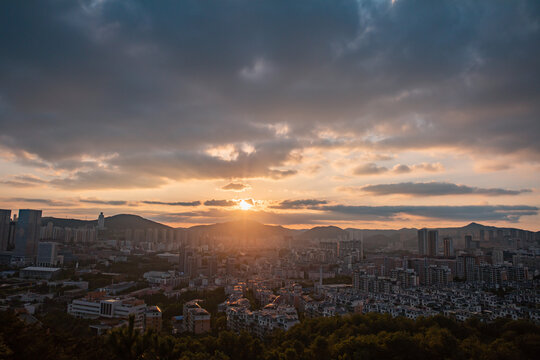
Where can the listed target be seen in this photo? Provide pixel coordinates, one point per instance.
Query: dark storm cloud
(299, 204)
(177, 203)
(224, 203)
(436, 189)
(147, 87)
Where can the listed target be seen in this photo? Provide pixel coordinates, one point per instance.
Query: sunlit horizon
(364, 118)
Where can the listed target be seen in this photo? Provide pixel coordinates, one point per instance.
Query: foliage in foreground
(371, 336)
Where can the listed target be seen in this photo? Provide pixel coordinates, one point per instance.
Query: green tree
(319, 348)
(126, 342)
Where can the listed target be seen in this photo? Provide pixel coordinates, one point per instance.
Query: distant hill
(373, 238)
(242, 228)
(376, 238)
(474, 225)
(68, 223)
(125, 221)
(115, 222)
(323, 232)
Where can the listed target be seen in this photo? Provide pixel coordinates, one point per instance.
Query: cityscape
(264, 278)
(269, 179)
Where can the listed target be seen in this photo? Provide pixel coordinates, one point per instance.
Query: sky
(367, 114)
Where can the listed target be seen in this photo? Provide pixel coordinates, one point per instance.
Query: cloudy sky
(375, 114)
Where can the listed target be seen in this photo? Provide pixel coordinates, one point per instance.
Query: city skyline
(269, 179)
(367, 114)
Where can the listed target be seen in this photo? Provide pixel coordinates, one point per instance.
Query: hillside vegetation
(371, 336)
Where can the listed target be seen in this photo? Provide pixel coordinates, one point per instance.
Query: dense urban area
(127, 287)
(269, 179)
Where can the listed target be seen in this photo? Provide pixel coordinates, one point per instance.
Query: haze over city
(269, 179)
(371, 114)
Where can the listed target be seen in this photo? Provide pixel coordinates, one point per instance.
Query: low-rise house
(196, 319)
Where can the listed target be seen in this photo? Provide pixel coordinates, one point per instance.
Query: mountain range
(247, 228)
(115, 222)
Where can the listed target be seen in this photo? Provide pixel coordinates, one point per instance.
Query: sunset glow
(244, 205)
(372, 121)
(262, 179)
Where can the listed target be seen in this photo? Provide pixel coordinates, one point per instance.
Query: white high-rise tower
(101, 222)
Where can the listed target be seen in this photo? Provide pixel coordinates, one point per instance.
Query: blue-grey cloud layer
(309, 211)
(220, 203)
(148, 87)
(436, 189)
(335, 213)
(172, 203)
(461, 213)
(235, 187)
(299, 204)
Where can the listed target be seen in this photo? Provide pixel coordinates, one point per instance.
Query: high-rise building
(151, 235)
(184, 262)
(192, 265)
(12, 228)
(438, 275)
(497, 257)
(212, 266)
(419, 266)
(47, 254)
(182, 259)
(466, 267)
(231, 266)
(5, 219)
(422, 241)
(128, 234)
(433, 243)
(27, 234)
(469, 244)
(448, 244)
(288, 241)
(405, 278)
(48, 231)
(101, 221)
(346, 247)
(162, 235)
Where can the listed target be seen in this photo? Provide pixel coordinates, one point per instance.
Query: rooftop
(40, 268)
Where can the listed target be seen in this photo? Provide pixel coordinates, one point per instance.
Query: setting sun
(244, 205)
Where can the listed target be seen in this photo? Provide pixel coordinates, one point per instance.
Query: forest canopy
(371, 336)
